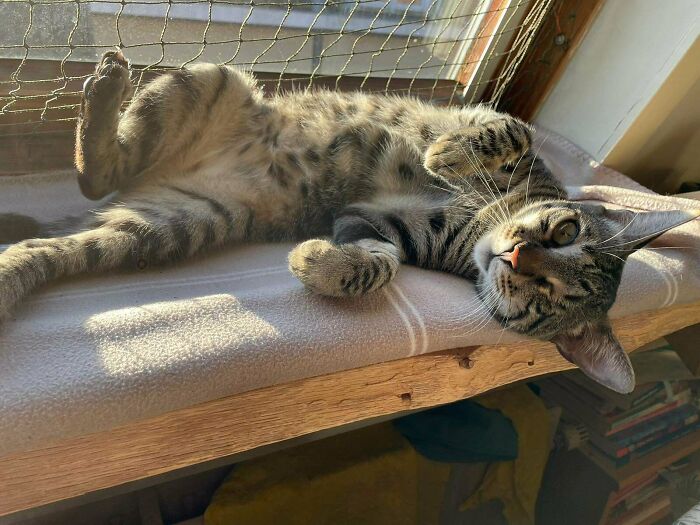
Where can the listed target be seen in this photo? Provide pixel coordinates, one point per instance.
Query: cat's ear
(636, 229)
(598, 354)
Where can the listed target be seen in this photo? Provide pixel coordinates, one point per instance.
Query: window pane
(417, 46)
(383, 38)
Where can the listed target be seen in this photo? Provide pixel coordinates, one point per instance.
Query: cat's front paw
(335, 271)
(479, 149)
(112, 78)
(321, 266)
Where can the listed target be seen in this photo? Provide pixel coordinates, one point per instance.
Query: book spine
(658, 411)
(661, 442)
(670, 430)
(626, 438)
(674, 427)
(650, 413)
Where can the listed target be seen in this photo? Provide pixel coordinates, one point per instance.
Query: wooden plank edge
(245, 421)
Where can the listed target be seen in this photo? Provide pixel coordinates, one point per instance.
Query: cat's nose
(513, 255)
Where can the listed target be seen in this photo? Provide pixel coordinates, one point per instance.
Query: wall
(629, 54)
(661, 148)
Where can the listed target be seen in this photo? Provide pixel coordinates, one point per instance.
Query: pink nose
(512, 256)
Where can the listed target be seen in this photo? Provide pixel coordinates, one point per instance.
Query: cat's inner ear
(598, 354)
(636, 229)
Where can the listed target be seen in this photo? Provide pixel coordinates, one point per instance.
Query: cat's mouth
(497, 266)
(506, 279)
(511, 289)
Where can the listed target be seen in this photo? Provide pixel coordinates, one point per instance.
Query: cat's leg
(135, 235)
(360, 258)
(102, 157)
(169, 118)
(370, 241)
(528, 178)
(344, 270)
(479, 149)
(527, 181)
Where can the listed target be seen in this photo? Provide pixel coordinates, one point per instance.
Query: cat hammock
(113, 379)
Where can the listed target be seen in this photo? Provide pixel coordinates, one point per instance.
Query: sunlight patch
(173, 334)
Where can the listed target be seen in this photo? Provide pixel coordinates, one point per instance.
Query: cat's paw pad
(331, 270)
(112, 76)
(451, 156)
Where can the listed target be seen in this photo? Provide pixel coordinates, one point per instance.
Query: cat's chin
(501, 284)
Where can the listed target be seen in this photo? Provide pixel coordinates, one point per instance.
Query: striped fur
(200, 159)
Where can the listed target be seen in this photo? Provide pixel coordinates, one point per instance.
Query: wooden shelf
(240, 423)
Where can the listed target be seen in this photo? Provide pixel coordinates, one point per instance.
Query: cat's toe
(112, 77)
(8, 292)
(87, 85)
(113, 64)
(447, 157)
(114, 56)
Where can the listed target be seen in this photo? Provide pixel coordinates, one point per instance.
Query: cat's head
(552, 272)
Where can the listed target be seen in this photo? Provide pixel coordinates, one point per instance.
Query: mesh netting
(441, 50)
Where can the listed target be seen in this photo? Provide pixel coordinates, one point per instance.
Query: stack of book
(622, 427)
(646, 501)
(619, 432)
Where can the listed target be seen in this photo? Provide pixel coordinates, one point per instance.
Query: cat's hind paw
(11, 289)
(112, 79)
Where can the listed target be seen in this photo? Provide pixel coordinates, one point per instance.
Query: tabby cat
(202, 160)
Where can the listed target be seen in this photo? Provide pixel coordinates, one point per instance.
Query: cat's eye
(565, 233)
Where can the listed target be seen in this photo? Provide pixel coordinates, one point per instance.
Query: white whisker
(621, 231)
(532, 165)
(514, 170)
